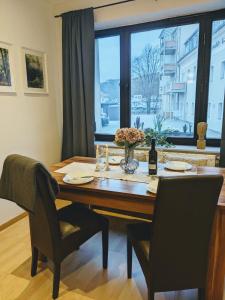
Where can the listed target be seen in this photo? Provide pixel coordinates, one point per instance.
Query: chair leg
(105, 247)
(129, 258)
(201, 294)
(42, 258)
(56, 280)
(34, 261)
(150, 294)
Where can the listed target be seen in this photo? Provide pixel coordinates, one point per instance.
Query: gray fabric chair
(173, 250)
(54, 234)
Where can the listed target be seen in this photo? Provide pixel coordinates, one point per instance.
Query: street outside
(149, 123)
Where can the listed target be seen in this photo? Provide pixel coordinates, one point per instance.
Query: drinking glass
(101, 160)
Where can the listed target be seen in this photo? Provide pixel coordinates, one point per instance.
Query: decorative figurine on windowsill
(201, 131)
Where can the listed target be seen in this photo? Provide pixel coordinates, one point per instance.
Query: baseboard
(59, 203)
(12, 221)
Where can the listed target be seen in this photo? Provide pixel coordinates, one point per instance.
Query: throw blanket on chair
(18, 182)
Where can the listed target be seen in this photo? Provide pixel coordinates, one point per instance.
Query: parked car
(104, 119)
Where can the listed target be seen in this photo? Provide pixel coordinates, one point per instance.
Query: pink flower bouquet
(129, 137)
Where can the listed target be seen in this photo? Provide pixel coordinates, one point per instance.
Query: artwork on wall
(35, 71)
(6, 69)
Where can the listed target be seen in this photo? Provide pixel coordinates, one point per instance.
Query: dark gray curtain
(78, 83)
(222, 145)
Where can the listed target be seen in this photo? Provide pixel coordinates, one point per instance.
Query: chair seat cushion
(76, 218)
(67, 228)
(77, 224)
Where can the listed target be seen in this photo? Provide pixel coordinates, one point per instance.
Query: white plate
(115, 160)
(178, 166)
(77, 180)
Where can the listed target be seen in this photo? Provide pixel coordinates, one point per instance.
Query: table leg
(216, 270)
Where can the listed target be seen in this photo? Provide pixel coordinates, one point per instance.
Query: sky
(109, 51)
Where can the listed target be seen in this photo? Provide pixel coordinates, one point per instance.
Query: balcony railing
(176, 87)
(169, 69)
(169, 47)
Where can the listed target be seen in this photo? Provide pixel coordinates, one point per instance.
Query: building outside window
(163, 81)
(211, 74)
(222, 76)
(217, 85)
(220, 110)
(209, 110)
(192, 108)
(195, 73)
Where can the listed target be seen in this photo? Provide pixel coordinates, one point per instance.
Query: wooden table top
(122, 188)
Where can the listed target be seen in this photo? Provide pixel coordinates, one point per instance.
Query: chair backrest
(44, 225)
(182, 223)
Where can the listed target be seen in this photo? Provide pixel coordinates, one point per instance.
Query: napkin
(79, 174)
(153, 185)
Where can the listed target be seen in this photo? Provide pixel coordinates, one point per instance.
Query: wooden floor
(82, 275)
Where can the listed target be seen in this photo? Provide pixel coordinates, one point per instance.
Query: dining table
(133, 197)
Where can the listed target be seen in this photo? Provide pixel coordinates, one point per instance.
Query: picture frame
(35, 77)
(7, 83)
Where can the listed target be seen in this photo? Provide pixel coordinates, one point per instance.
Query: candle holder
(97, 167)
(107, 168)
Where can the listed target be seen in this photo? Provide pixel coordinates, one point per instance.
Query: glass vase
(128, 164)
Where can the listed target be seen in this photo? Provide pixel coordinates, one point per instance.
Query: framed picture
(7, 84)
(35, 71)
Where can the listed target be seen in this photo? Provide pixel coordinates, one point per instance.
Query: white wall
(28, 124)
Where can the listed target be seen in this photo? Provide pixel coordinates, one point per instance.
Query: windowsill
(175, 148)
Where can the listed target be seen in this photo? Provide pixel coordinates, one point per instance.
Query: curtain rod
(106, 5)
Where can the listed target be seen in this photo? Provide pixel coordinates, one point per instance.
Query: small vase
(129, 164)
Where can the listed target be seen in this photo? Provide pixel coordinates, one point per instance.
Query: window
(222, 70)
(157, 60)
(209, 110)
(195, 72)
(217, 86)
(192, 42)
(107, 84)
(218, 25)
(211, 74)
(220, 110)
(192, 108)
(167, 75)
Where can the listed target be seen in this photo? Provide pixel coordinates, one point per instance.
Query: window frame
(205, 21)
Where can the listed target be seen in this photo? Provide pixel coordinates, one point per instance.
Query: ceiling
(137, 11)
(86, 3)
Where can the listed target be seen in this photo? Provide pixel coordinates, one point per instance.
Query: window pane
(217, 81)
(163, 84)
(107, 84)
